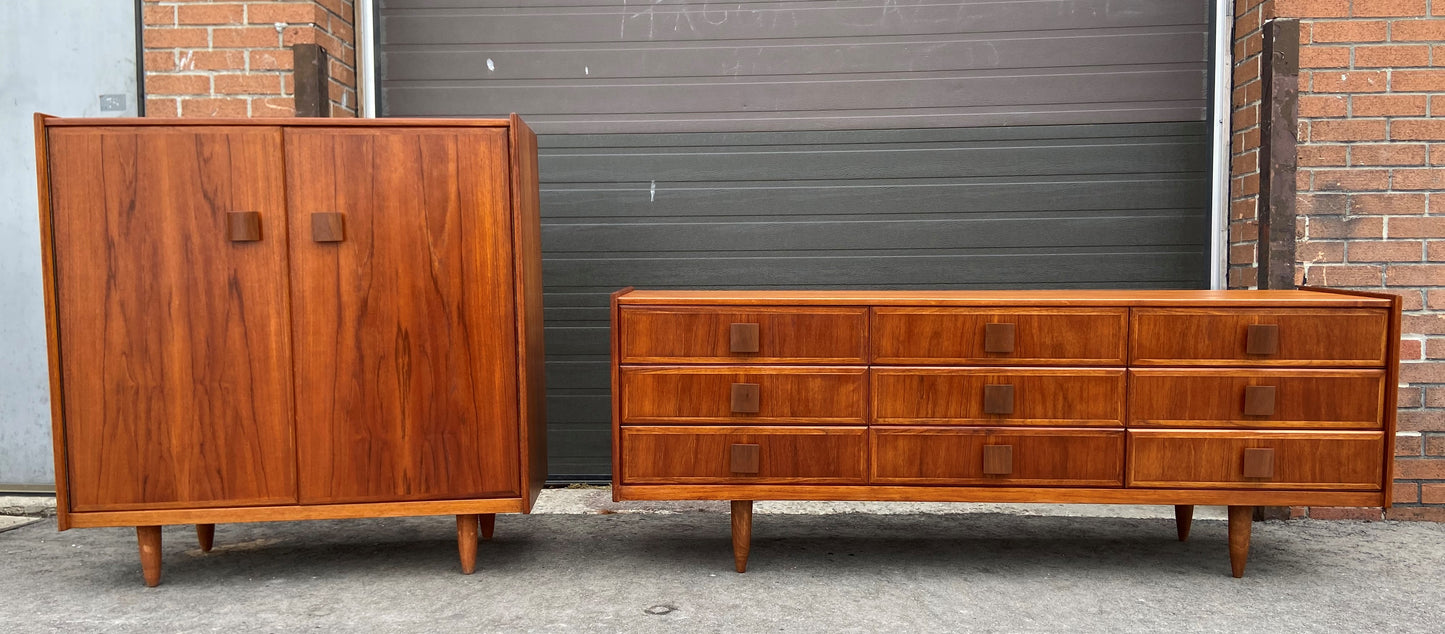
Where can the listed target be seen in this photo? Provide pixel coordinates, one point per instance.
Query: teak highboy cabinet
(291, 319)
(1236, 398)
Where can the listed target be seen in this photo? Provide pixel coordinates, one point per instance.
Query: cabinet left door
(173, 324)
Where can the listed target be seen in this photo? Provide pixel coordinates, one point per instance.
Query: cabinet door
(174, 343)
(404, 324)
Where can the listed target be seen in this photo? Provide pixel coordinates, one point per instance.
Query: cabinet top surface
(275, 122)
(1060, 297)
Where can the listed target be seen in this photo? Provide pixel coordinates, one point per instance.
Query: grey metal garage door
(832, 144)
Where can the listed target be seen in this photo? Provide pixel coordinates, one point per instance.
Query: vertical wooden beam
(1279, 125)
(1278, 158)
(313, 93)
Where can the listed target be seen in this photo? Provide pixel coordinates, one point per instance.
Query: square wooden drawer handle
(1259, 463)
(244, 226)
(743, 338)
(1262, 339)
(1259, 400)
(998, 399)
(998, 338)
(327, 227)
(746, 458)
(746, 398)
(998, 459)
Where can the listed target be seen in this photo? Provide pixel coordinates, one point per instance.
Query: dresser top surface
(274, 122)
(1058, 297)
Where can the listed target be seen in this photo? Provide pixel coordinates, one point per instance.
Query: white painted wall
(56, 57)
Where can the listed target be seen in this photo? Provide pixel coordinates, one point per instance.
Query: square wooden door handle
(1258, 463)
(998, 399)
(998, 338)
(244, 226)
(1261, 339)
(743, 338)
(327, 227)
(998, 459)
(745, 458)
(746, 398)
(1259, 400)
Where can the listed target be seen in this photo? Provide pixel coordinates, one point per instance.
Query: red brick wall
(1371, 192)
(214, 58)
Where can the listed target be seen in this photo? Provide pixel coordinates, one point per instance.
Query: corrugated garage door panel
(1109, 206)
(883, 144)
(582, 66)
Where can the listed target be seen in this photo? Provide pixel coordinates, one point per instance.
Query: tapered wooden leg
(742, 533)
(206, 535)
(1183, 518)
(489, 524)
(467, 542)
(150, 553)
(1240, 520)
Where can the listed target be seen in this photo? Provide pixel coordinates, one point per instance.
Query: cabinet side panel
(174, 348)
(52, 333)
(404, 327)
(531, 362)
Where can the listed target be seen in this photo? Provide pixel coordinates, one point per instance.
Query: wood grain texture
(1312, 399)
(816, 395)
(1183, 520)
(527, 272)
(206, 536)
(174, 347)
(1392, 377)
(1042, 495)
(1341, 460)
(704, 335)
(52, 322)
(1009, 298)
(487, 523)
(955, 396)
(467, 542)
(1306, 337)
(1040, 457)
(742, 533)
(328, 226)
(800, 455)
(149, 540)
(956, 336)
(243, 226)
(290, 122)
(237, 515)
(406, 330)
(1241, 521)
(615, 339)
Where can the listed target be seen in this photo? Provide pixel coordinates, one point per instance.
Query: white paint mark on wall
(586, 70)
(490, 65)
(652, 193)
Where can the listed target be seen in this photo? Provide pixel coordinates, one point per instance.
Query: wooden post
(1279, 126)
(313, 80)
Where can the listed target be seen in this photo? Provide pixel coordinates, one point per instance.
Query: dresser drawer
(726, 334)
(745, 395)
(1342, 460)
(1340, 399)
(1038, 457)
(1022, 336)
(744, 455)
(1001, 396)
(1277, 336)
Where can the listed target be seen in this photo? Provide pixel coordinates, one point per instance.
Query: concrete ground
(582, 563)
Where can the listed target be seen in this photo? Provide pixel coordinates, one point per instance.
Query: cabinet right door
(403, 314)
